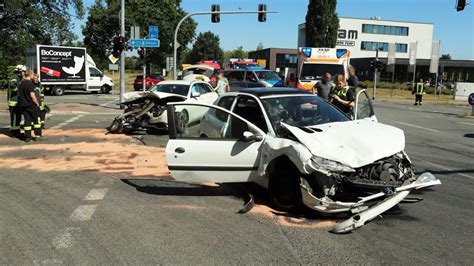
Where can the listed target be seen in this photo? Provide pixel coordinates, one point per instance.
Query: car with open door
(305, 151)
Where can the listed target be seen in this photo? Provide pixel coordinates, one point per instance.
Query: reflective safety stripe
(27, 128)
(419, 88)
(12, 103)
(341, 92)
(36, 126)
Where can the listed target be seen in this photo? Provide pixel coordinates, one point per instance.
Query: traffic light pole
(175, 43)
(144, 69)
(122, 54)
(375, 73)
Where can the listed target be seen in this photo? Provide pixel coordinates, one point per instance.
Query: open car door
(220, 146)
(363, 106)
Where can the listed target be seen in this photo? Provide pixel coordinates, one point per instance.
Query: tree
(260, 47)
(25, 23)
(445, 56)
(102, 26)
(322, 23)
(206, 47)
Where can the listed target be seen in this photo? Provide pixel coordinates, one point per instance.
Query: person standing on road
(28, 104)
(39, 91)
(12, 100)
(343, 97)
(324, 86)
(222, 84)
(419, 90)
(353, 80)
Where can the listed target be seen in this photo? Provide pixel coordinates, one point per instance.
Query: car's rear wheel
(284, 186)
(58, 90)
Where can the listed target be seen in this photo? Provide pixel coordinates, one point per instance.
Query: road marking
(83, 213)
(64, 240)
(96, 194)
(107, 103)
(427, 116)
(410, 125)
(449, 169)
(466, 123)
(66, 122)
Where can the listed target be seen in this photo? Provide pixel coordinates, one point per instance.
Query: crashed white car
(147, 110)
(301, 148)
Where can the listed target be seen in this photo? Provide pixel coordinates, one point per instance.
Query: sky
(454, 29)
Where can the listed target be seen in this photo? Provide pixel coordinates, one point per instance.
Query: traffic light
(380, 66)
(119, 46)
(460, 5)
(216, 18)
(262, 16)
(372, 65)
(141, 53)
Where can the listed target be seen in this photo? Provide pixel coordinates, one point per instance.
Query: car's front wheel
(284, 186)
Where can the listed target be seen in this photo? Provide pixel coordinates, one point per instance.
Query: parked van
(63, 68)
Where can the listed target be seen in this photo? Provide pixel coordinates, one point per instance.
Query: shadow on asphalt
(469, 135)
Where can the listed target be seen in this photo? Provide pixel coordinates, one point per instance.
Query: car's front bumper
(364, 209)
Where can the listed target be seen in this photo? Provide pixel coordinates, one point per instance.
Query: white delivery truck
(313, 63)
(67, 68)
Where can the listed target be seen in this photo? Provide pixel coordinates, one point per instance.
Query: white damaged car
(299, 147)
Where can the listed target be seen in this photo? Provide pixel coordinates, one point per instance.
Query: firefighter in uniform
(39, 91)
(419, 90)
(12, 100)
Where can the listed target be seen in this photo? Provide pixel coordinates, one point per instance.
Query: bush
(429, 90)
(446, 91)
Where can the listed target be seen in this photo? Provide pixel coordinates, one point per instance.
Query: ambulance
(313, 63)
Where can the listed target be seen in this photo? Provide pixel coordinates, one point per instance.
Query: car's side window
(250, 76)
(226, 102)
(208, 88)
(236, 75)
(195, 88)
(248, 108)
(211, 123)
(94, 72)
(202, 88)
(364, 107)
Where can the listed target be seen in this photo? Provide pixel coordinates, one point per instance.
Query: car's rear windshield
(171, 88)
(316, 71)
(301, 111)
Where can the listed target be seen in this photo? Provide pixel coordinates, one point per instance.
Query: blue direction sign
(471, 99)
(145, 42)
(153, 32)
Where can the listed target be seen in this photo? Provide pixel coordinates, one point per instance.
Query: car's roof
(179, 82)
(260, 92)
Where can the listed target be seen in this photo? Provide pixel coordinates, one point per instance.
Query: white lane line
(107, 103)
(96, 194)
(64, 239)
(427, 116)
(410, 125)
(449, 169)
(66, 122)
(466, 123)
(83, 213)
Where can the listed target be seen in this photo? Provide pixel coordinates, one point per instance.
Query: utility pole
(175, 42)
(144, 69)
(122, 54)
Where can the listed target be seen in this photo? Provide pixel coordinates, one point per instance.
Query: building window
(286, 58)
(383, 29)
(383, 46)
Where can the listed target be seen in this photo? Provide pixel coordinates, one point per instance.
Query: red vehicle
(151, 79)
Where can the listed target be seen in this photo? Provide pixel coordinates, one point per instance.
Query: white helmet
(20, 68)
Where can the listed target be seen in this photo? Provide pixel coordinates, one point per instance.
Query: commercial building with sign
(363, 36)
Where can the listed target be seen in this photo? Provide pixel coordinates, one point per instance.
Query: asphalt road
(69, 216)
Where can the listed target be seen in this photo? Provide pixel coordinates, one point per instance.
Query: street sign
(145, 43)
(470, 99)
(113, 59)
(113, 67)
(153, 32)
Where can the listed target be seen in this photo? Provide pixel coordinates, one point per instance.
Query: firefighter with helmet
(12, 100)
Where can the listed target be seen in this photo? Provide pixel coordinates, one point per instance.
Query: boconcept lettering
(56, 53)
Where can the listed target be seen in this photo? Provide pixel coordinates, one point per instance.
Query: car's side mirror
(195, 94)
(248, 136)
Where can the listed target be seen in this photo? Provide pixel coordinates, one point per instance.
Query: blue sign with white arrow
(145, 43)
(153, 32)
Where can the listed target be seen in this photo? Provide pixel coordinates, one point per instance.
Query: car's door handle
(180, 150)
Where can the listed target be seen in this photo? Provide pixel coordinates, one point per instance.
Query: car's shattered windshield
(171, 88)
(301, 111)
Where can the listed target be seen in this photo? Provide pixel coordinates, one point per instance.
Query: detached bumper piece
(364, 209)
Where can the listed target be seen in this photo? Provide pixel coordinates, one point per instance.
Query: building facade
(363, 36)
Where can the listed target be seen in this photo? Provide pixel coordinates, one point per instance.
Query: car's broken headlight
(330, 165)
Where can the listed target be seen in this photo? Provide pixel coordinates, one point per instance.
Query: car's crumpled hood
(130, 96)
(353, 143)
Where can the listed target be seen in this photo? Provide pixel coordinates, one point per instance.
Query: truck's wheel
(284, 186)
(58, 90)
(105, 89)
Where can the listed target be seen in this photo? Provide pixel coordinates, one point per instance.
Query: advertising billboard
(61, 64)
